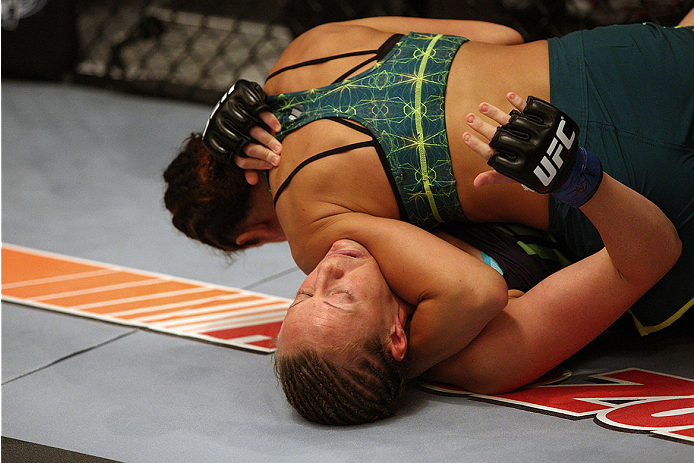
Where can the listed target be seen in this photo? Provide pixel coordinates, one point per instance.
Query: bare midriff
(486, 73)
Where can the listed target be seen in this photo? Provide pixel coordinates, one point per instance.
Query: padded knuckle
(250, 95)
(231, 121)
(523, 128)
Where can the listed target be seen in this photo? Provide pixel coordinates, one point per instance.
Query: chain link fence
(196, 50)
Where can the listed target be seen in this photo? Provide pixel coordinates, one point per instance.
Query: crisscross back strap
(311, 62)
(379, 53)
(315, 157)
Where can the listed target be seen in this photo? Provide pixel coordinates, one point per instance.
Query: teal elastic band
(491, 262)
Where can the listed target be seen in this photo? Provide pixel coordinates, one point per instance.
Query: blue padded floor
(81, 176)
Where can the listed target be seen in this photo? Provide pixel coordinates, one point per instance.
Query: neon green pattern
(535, 242)
(401, 101)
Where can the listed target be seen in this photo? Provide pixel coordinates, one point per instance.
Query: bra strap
(321, 60)
(315, 157)
(378, 54)
(363, 63)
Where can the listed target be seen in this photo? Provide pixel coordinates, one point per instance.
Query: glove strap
(583, 180)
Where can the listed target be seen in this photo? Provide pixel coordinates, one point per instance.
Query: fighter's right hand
(241, 129)
(538, 147)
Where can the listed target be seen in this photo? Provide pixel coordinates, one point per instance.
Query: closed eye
(346, 295)
(298, 300)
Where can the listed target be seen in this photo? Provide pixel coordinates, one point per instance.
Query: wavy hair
(207, 198)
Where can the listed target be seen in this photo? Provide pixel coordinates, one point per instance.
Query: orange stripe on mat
(130, 297)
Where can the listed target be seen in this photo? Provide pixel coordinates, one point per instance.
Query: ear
(260, 234)
(398, 342)
(256, 234)
(398, 337)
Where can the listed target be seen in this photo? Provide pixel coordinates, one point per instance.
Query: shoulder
(322, 41)
(328, 31)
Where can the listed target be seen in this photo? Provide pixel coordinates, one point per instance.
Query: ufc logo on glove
(551, 165)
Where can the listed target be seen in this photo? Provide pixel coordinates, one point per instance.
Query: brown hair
(364, 388)
(207, 198)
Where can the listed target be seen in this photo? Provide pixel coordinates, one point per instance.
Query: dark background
(175, 49)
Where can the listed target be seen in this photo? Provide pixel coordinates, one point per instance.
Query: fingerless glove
(226, 132)
(539, 148)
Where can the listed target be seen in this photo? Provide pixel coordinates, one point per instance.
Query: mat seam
(66, 357)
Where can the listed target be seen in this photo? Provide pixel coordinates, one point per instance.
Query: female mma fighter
(411, 163)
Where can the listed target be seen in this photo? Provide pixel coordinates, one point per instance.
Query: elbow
(513, 37)
(490, 300)
(492, 378)
(500, 383)
(671, 247)
(505, 36)
(487, 388)
(656, 261)
(483, 385)
(488, 380)
(493, 296)
(479, 304)
(676, 251)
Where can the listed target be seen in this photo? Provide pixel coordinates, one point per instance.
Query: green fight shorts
(631, 90)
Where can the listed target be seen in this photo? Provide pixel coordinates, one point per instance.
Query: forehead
(320, 323)
(312, 314)
(310, 326)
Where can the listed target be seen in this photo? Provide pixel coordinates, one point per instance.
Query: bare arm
(543, 327)
(478, 31)
(455, 294)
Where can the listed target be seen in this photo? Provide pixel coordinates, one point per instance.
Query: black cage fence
(170, 49)
(196, 50)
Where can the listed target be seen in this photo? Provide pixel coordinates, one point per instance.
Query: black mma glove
(538, 147)
(226, 132)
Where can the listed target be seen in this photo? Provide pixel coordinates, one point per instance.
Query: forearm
(539, 148)
(569, 308)
(641, 241)
(442, 327)
(454, 293)
(564, 312)
(542, 328)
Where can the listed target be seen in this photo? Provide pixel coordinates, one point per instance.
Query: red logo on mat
(631, 400)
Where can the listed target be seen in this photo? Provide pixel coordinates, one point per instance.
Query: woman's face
(344, 299)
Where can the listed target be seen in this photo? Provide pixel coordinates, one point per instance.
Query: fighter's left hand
(242, 128)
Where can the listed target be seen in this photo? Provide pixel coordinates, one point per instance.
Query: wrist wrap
(583, 180)
(538, 147)
(226, 132)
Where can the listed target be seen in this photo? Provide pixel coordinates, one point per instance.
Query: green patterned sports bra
(400, 101)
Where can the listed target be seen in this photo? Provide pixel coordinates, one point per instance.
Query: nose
(327, 273)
